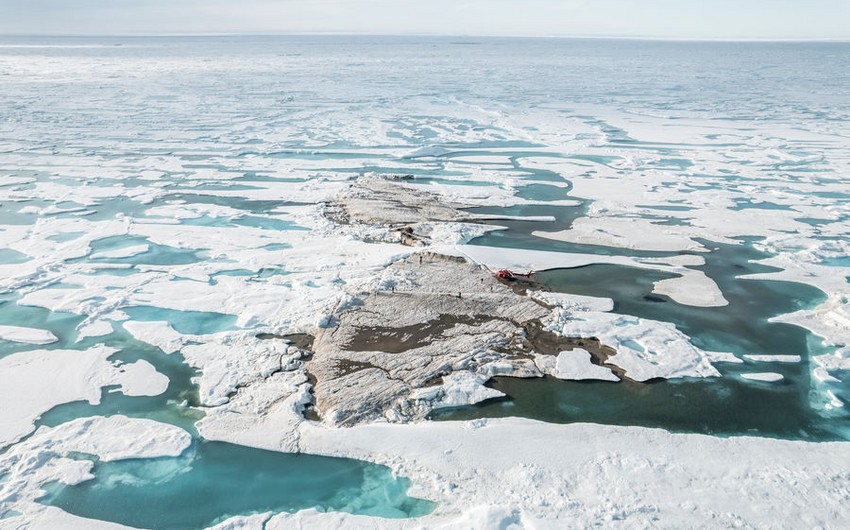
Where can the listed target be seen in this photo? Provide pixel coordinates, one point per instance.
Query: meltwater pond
(187, 322)
(216, 480)
(63, 325)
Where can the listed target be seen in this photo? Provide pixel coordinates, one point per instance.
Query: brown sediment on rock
(425, 322)
(410, 239)
(399, 209)
(443, 315)
(522, 284)
(404, 338)
(302, 341)
(385, 202)
(549, 343)
(345, 367)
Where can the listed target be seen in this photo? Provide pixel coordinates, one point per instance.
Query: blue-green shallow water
(518, 233)
(62, 324)
(10, 256)
(727, 405)
(741, 327)
(186, 322)
(230, 479)
(155, 255)
(174, 406)
(216, 480)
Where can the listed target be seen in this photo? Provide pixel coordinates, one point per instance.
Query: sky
(686, 19)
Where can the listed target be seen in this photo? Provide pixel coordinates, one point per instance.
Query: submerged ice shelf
(164, 250)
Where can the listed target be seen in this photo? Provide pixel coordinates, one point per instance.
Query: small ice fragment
(576, 365)
(768, 377)
(774, 358)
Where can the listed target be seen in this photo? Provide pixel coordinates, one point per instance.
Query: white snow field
(167, 231)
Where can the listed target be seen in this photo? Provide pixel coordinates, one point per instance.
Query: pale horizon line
(190, 34)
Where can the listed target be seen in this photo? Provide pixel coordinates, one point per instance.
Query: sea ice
(460, 388)
(774, 358)
(768, 377)
(549, 473)
(633, 233)
(126, 252)
(141, 379)
(573, 302)
(264, 414)
(27, 335)
(652, 175)
(41, 379)
(646, 349)
(45, 457)
(576, 365)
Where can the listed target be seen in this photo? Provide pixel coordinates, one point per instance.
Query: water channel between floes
(792, 408)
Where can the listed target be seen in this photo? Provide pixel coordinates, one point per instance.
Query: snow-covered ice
(461, 388)
(492, 472)
(645, 349)
(46, 457)
(767, 377)
(27, 335)
(576, 365)
(774, 358)
(35, 381)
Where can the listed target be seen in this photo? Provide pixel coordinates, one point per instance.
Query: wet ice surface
(165, 195)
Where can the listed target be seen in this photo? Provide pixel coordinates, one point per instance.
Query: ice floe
(126, 252)
(646, 349)
(767, 377)
(460, 388)
(575, 365)
(46, 457)
(632, 233)
(608, 474)
(41, 379)
(141, 379)
(27, 335)
(774, 358)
